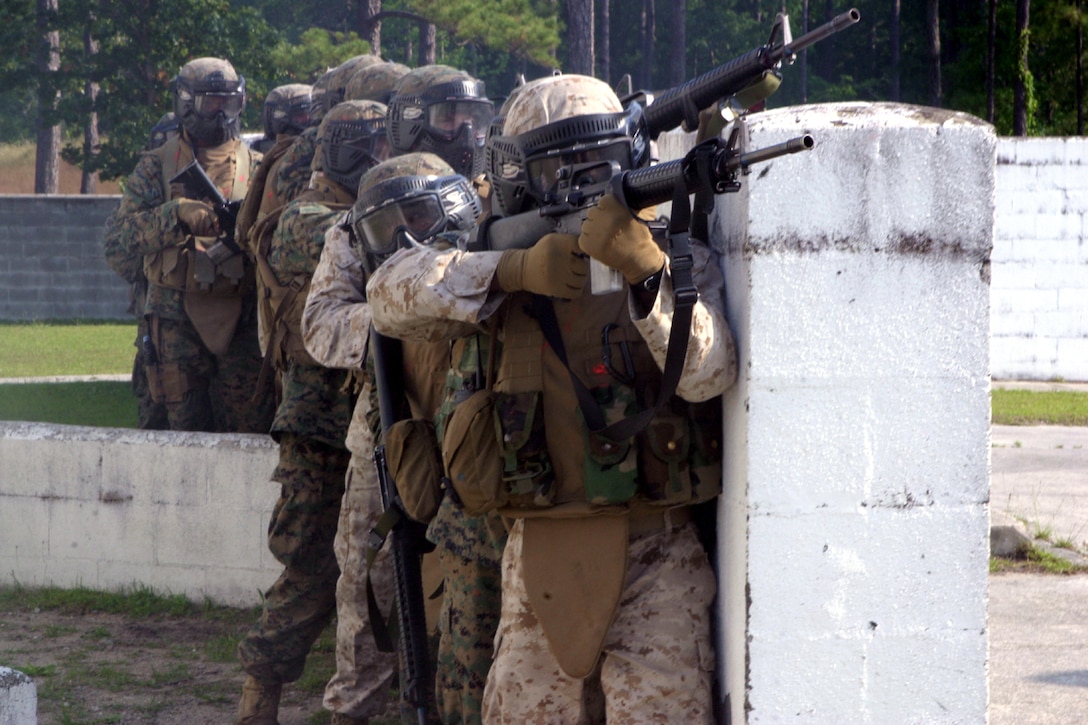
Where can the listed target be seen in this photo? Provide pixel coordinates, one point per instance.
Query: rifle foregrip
(651, 186)
(670, 108)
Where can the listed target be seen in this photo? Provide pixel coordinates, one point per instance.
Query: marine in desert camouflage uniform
(201, 309)
(312, 421)
(606, 587)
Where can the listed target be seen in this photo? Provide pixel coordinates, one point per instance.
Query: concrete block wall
(106, 508)
(854, 524)
(51, 263)
(1040, 261)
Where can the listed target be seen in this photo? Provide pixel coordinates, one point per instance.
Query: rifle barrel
(815, 35)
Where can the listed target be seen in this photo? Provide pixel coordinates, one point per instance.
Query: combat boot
(260, 703)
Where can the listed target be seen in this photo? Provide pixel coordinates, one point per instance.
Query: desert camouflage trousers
(360, 686)
(302, 601)
(657, 658)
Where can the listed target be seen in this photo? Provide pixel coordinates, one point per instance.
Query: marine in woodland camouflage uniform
(310, 424)
(631, 643)
(201, 311)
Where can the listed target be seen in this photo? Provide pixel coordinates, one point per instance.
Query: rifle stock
(409, 541)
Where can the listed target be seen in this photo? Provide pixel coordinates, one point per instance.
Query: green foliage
(513, 25)
(136, 601)
(318, 50)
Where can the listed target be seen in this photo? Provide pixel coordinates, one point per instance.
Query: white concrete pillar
(854, 525)
(18, 698)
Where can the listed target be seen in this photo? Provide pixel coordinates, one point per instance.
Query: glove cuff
(509, 272)
(644, 265)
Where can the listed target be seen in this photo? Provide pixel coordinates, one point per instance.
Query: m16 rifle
(759, 68)
(747, 79)
(716, 163)
(199, 186)
(409, 542)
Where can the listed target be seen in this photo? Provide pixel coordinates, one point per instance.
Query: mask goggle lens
(446, 118)
(209, 105)
(543, 171)
(421, 217)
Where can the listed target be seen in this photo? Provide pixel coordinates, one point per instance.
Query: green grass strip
(1033, 407)
(104, 404)
(42, 349)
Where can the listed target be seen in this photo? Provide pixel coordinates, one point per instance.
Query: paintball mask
(447, 119)
(209, 98)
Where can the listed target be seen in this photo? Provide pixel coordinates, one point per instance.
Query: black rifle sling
(684, 297)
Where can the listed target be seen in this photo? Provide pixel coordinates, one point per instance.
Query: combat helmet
(209, 97)
(410, 200)
(286, 110)
(570, 122)
(351, 139)
(374, 82)
(164, 129)
(329, 88)
(442, 110)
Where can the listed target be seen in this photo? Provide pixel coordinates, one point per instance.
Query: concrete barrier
(854, 525)
(107, 508)
(18, 698)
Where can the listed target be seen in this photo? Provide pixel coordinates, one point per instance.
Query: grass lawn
(106, 348)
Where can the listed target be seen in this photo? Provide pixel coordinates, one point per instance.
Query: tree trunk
(606, 41)
(370, 29)
(933, 33)
(894, 41)
(647, 31)
(991, 58)
(678, 43)
(580, 36)
(1021, 95)
(89, 182)
(427, 42)
(804, 54)
(1080, 71)
(47, 161)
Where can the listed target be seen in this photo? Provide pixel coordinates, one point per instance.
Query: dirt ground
(106, 668)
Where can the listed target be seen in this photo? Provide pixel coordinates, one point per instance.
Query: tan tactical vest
(553, 464)
(280, 306)
(184, 268)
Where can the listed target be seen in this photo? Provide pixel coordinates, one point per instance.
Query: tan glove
(551, 267)
(198, 217)
(610, 234)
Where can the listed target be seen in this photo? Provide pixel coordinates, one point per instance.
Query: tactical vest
(551, 460)
(280, 306)
(184, 267)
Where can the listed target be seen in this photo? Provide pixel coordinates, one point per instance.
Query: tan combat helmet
(374, 82)
(408, 201)
(286, 110)
(209, 97)
(442, 110)
(350, 140)
(553, 123)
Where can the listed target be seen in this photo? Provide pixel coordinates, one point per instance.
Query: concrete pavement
(1038, 623)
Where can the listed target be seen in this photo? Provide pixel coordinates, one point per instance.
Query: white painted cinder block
(18, 698)
(855, 515)
(184, 513)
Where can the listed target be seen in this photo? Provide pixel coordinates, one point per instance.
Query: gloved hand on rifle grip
(612, 235)
(197, 217)
(552, 267)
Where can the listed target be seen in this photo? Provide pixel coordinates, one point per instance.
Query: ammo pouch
(495, 453)
(415, 464)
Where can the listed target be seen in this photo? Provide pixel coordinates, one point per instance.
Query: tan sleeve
(710, 366)
(430, 295)
(336, 319)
